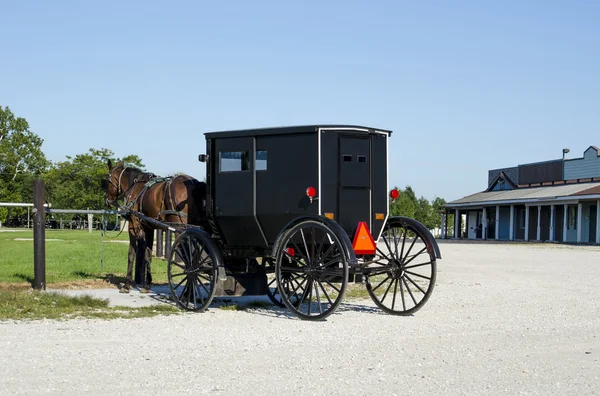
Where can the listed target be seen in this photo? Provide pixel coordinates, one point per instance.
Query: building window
(572, 218)
(234, 161)
(261, 160)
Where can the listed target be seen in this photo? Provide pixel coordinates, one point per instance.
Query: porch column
(497, 221)
(579, 219)
(446, 225)
(598, 221)
(456, 224)
(552, 222)
(443, 226)
(566, 210)
(526, 222)
(511, 232)
(539, 226)
(484, 225)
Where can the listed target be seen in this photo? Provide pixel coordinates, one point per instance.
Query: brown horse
(179, 199)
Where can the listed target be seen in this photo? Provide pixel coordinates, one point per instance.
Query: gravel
(503, 319)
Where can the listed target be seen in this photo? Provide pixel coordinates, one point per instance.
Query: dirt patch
(71, 285)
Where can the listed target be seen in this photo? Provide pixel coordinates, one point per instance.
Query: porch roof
(531, 194)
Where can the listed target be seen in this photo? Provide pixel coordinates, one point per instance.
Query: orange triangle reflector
(363, 241)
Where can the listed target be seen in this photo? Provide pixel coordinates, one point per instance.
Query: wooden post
(168, 243)
(159, 243)
(39, 236)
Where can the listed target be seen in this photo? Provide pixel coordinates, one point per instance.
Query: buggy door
(355, 181)
(234, 192)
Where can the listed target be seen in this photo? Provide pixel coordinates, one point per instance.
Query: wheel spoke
(403, 242)
(413, 282)
(382, 282)
(331, 285)
(305, 245)
(416, 265)
(388, 289)
(410, 248)
(402, 295)
(415, 256)
(409, 292)
(388, 246)
(420, 276)
(395, 242)
(324, 292)
(395, 289)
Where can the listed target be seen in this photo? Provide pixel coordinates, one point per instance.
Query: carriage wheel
(192, 270)
(403, 274)
(311, 270)
(275, 296)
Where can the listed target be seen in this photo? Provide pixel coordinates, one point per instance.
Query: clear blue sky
(465, 86)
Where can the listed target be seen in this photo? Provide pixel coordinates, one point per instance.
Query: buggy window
(234, 161)
(261, 160)
(347, 158)
(362, 158)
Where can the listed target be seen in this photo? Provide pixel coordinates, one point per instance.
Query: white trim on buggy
(387, 191)
(319, 192)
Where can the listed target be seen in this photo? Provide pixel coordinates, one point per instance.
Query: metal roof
(291, 129)
(575, 190)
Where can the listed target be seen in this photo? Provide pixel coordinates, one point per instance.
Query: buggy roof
(292, 130)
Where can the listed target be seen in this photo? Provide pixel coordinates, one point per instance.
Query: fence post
(159, 243)
(39, 236)
(168, 243)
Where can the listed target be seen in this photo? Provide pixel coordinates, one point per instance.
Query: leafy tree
(76, 182)
(21, 160)
(419, 209)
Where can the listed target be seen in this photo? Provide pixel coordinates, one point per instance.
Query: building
(554, 201)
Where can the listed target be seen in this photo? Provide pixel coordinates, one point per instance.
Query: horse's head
(112, 185)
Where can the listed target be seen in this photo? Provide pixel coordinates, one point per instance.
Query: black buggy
(299, 213)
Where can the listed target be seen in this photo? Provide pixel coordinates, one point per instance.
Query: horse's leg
(130, 259)
(149, 241)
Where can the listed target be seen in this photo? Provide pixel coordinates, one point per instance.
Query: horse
(178, 199)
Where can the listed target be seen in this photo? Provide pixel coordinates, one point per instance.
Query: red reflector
(290, 251)
(394, 194)
(363, 241)
(311, 192)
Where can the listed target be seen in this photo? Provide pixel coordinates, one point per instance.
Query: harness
(152, 181)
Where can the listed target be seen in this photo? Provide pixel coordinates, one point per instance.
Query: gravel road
(503, 319)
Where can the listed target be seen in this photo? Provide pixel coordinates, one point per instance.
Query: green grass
(73, 257)
(33, 305)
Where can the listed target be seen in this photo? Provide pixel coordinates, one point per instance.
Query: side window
(234, 161)
(362, 158)
(261, 160)
(347, 158)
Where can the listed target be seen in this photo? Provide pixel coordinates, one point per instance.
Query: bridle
(120, 193)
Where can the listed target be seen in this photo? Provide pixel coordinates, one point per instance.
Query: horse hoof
(124, 290)
(145, 290)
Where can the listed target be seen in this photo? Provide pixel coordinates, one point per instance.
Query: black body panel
(258, 179)
(292, 167)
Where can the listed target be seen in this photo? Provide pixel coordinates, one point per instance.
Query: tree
(420, 209)
(21, 160)
(76, 182)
